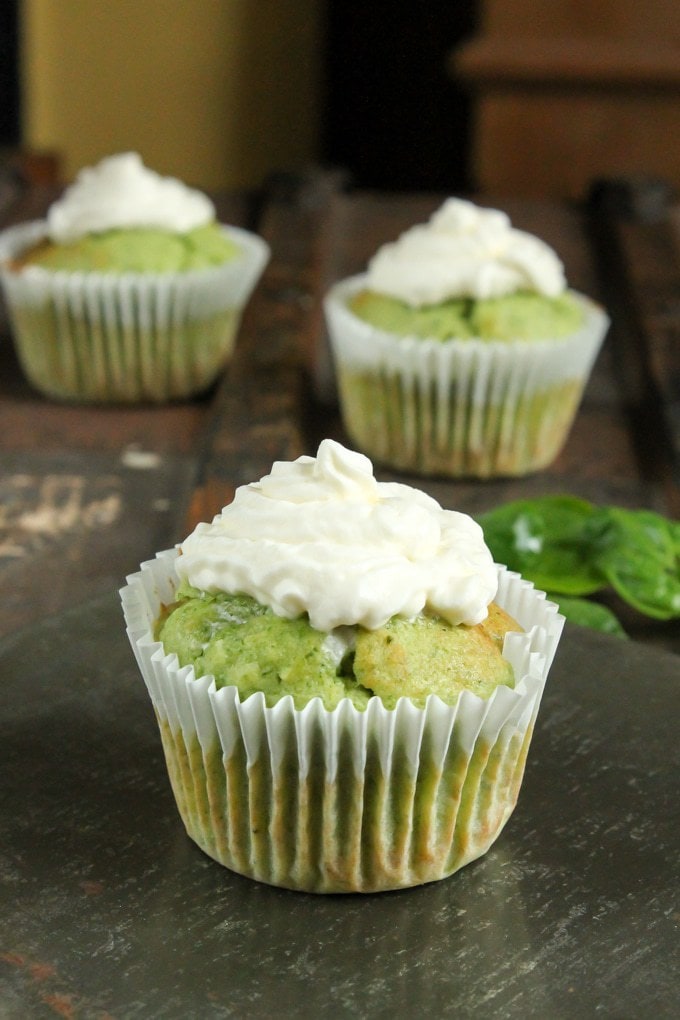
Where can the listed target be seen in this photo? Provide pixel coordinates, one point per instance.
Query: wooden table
(86, 493)
(106, 908)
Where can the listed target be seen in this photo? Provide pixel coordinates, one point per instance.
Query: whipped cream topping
(464, 251)
(321, 535)
(120, 192)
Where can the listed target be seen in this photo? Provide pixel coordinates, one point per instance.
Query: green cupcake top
(521, 316)
(137, 250)
(243, 643)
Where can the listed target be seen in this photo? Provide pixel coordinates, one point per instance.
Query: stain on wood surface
(35, 509)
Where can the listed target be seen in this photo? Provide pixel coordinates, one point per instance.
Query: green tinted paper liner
(458, 407)
(343, 800)
(126, 337)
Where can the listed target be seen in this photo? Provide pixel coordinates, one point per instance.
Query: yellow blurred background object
(216, 92)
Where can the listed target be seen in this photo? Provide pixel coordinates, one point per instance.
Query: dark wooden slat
(258, 412)
(573, 62)
(639, 266)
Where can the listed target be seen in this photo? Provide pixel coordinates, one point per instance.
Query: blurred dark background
(393, 116)
(10, 99)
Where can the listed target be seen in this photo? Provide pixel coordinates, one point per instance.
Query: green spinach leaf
(639, 554)
(572, 548)
(588, 613)
(548, 541)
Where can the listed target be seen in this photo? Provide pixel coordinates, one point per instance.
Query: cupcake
(129, 290)
(461, 351)
(345, 683)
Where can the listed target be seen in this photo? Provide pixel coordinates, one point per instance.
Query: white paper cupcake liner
(458, 407)
(342, 800)
(126, 337)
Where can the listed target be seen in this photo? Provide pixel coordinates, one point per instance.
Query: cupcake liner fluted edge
(458, 407)
(342, 800)
(103, 337)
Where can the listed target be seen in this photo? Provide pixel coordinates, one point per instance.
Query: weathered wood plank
(259, 409)
(636, 244)
(87, 492)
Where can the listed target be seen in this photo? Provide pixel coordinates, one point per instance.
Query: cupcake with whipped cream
(461, 350)
(129, 290)
(345, 683)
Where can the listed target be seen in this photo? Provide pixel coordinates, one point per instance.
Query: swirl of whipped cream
(464, 251)
(320, 535)
(120, 192)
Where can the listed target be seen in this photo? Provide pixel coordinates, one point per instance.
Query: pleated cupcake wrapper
(458, 407)
(131, 336)
(342, 800)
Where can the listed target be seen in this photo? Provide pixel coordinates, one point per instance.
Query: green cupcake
(345, 683)
(129, 290)
(461, 351)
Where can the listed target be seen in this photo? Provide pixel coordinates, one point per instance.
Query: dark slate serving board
(107, 909)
